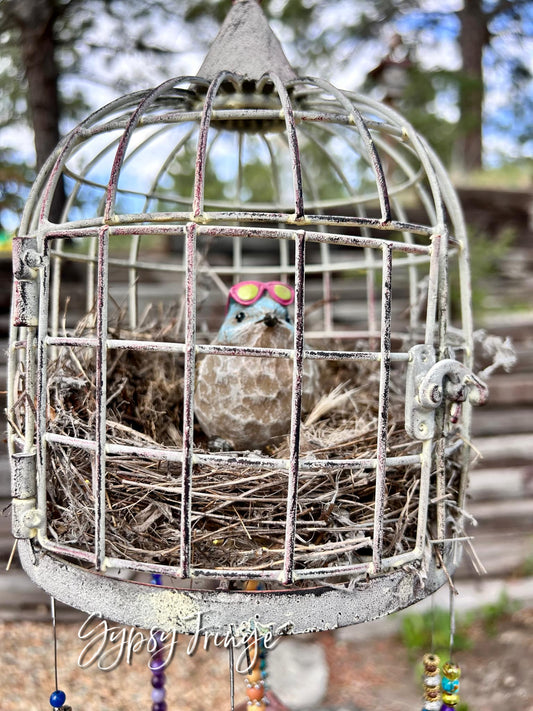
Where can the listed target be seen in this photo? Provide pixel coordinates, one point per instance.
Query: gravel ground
(367, 676)
(497, 671)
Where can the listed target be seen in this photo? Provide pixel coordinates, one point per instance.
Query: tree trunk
(472, 40)
(35, 20)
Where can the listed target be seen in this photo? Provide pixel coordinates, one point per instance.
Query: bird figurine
(245, 401)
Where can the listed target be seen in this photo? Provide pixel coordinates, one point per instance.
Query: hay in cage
(238, 511)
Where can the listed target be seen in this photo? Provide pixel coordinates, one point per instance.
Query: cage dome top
(246, 45)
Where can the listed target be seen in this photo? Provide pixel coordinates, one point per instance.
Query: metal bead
(451, 671)
(431, 664)
(450, 699)
(432, 680)
(431, 694)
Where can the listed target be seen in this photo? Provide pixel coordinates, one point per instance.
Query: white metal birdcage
(244, 171)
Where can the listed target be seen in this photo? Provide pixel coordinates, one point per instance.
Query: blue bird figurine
(246, 400)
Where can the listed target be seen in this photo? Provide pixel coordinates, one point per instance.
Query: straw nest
(238, 512)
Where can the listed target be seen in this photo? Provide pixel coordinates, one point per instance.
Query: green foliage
(99, 44)
(421, 632)
(525, 569)
(491, 614)
(15, 179)
(431, 630)
(317, 41)
(12, 82)
(422, 92)
(486, 254)
(516, 174)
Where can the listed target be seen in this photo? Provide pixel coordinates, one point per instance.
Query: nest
(238, 511)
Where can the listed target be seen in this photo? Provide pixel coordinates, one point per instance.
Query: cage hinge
(23, 475)
(26, 263)
(430, 381)
(25, 517)
(25, 302)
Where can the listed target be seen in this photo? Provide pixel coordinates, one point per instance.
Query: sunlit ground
(364, 674)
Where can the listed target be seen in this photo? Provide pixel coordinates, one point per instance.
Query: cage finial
(247, 46)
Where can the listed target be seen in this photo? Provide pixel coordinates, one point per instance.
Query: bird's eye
(240, 316)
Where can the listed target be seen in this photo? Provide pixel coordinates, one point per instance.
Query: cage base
(215, 612)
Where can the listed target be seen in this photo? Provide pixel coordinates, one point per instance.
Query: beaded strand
(57, 697)
(254, 680)
(431, 680)
(450, 686)
(450, 671)
(156, 665)
(256, 677)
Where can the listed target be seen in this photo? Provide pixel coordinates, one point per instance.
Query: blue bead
(156, 579)
(450, 685)
(57, 698)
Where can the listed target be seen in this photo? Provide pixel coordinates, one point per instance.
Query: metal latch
(430, 381)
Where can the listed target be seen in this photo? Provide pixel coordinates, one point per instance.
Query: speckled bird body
(246, 400)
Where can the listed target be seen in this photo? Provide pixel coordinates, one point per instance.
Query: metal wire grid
(303, 226)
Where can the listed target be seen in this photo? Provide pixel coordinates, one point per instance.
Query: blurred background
(461, 73)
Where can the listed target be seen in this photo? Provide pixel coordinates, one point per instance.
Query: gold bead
(450, 699)
(254, 675)
(431, 664)
(256, 706)
(451, 671)
(431, 694)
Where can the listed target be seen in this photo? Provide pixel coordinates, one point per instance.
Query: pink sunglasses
(248, 292)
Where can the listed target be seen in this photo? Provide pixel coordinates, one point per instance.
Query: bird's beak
(269, 320)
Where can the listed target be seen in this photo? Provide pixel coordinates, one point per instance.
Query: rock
(298, 673)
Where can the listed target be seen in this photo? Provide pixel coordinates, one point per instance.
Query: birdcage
(168, 197)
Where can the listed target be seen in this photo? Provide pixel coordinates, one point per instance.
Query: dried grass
(238, 512)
